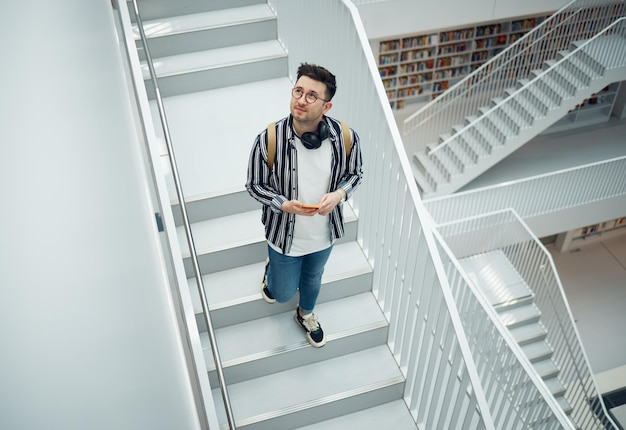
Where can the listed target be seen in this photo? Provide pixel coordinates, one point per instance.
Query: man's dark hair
(320, 74)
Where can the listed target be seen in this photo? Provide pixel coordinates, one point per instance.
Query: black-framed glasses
(310, 98)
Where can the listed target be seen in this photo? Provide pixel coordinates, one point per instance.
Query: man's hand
(324, 207)
(298, 208)
(329, 201)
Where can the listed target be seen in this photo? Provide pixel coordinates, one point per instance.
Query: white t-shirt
(312, 234)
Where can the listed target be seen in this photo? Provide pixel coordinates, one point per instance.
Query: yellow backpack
(271, 142)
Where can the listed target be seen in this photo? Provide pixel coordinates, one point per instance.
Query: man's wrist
(342, 194)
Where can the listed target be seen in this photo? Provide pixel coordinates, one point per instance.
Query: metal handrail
(520, 58)
(586, 184)
(186, 223)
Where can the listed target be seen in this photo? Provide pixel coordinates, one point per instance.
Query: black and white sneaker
(314, 333)
(265, 291)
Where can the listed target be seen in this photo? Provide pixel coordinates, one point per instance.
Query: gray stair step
(393, 415)
(585, 63)
(504, 124)
(208, 30)
(514, 110)
(521, 315)
(234, 295)
(429, 176)
(490, 130)
(546, 369)
(529, 108)
(531, 100)
(239, 239)
(436, 164)
(217, 68)
(565, 405)
(573, 75)
(555, 386)
(497, 279)
(537, 351)
(541, 94)
(425, 182)
(215, 59)
(158, 9)
(528, 333)
(198, 143)
(449, 154)
(334, 387)
(276, 343)
(473, 142)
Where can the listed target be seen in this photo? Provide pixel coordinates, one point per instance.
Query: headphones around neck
(312, 140)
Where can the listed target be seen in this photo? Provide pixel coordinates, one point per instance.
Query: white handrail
(576, 186)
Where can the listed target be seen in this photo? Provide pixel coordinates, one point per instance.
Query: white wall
(87, 331)
(395, 18)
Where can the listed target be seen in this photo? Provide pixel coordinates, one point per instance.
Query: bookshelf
(418, 67)
(587, 235)
(593, 110)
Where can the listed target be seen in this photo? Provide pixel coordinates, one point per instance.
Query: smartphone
(306, 206)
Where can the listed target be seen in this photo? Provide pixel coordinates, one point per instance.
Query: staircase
(521, 113)
(511, 297)
(224, 77)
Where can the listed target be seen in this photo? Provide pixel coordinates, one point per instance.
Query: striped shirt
(273, 188)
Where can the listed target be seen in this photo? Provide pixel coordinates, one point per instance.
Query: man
(302, 188)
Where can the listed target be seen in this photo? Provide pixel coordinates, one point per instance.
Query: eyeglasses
(310, 98)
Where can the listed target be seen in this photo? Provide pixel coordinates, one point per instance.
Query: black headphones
(312, 140)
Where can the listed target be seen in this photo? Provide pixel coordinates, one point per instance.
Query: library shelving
(590, 234)
(593, 110)
(416, 68)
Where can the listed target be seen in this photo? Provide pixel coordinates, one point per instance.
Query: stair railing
(506, 232)
(446, 387)
(560, 190)
(185, 221)
(500, 356)
(589, 48)
(515, 62)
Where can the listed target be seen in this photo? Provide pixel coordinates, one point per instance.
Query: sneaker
(314, 332)
(265, 291)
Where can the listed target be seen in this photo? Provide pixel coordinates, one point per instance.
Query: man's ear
(327, 107)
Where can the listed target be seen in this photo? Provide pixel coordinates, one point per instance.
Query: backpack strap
(271, 142)
(347, 138)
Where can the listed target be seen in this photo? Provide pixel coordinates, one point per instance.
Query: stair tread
(546, 368)
(520, 314)
(347, 259)
(279, 333)
(233, 230)
(191, 134)
(555, 386)
(215, 58)
(393, 415)
(205, 20)
(537, 350)
(495, 277)
(324, 381)
(526, 333)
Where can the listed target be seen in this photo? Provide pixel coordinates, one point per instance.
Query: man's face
(305, 112)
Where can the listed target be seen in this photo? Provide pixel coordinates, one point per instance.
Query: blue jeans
(286, 275)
